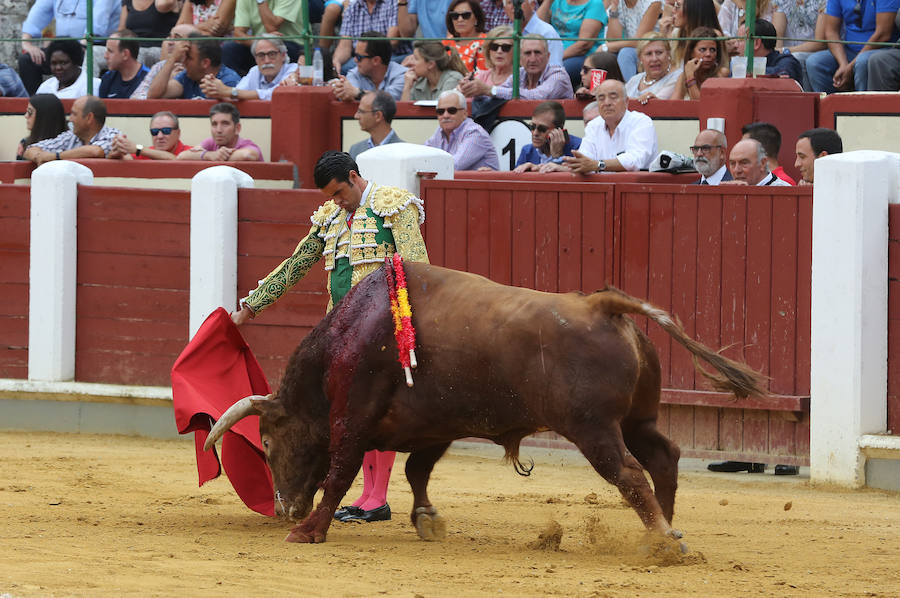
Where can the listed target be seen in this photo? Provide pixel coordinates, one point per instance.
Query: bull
(494, 362)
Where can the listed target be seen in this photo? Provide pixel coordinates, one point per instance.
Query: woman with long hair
(45, 118)
(686, 16)
(466, 19)
(657, 77)
(435, 69)
(706, 59)
(605, 61)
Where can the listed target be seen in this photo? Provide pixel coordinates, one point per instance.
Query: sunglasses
(501, 47)
(450, 110)
(539, 128)
(361, 57)
(456, 16)
(163, 130)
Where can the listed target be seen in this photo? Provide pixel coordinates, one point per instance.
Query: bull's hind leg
(429, 525)
(659, 456)
(604, 448)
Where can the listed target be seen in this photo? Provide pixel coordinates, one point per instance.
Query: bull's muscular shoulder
(390, 201)
(327, 212)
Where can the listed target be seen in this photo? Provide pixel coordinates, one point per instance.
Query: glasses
(361, 57)
(450, 110)
(163, 130)
(540, 128)
(361, 111)
(460, 16)
(704, 149)
(501, 47)
(271, 55)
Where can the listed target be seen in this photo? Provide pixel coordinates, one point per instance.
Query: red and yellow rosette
(401, 311)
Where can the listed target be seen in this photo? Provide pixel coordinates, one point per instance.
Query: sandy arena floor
(114, 516)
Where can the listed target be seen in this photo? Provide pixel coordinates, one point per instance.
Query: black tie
(703, 182)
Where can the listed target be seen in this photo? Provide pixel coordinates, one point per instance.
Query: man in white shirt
(709, 157)
(619, 139)
(532, 24)
(749, 166)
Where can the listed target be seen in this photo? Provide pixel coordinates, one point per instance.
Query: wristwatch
(138, 149)
(234, 93)
(613, 14)
(601, 165)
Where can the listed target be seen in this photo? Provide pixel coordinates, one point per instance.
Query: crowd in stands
(471, 56)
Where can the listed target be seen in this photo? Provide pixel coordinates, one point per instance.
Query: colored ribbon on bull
(401, 311)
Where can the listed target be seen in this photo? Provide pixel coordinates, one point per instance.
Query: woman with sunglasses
(584, 19)
(45, 118)
(498, 57)
(466, 19)
(706, 60)
(604, 61)
(435, 69)
(630, 19)
(657, 76)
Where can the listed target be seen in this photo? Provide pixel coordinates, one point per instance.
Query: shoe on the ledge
(382, 513)
(787, 470)
(735, 466)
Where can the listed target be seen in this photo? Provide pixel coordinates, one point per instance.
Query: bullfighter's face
(347, 195)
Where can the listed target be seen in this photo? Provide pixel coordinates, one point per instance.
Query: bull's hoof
(301, 536)
(429, 525)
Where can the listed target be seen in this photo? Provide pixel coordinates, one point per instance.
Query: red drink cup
(598, 76)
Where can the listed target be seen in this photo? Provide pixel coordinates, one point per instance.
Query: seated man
(201, 58)
(549, 140)
(378, 16)
(814, 144)
(166, 141)
(459, 135)
(532, 24)
(89, 136)
(271, 68)
(884, 70)
(225, 145)
(11, 85)
(375, 113)
(374, 70)
(168, 48)
(749, 166)
(125, 72)
(538, 79)
(779, 64)
(709, 157)
(256, 17)
(769, 137)
(618, 139)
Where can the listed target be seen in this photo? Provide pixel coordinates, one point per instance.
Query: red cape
(214, 371)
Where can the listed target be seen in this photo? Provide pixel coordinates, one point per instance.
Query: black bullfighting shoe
(382, 513)
(787, 470)
(344, 511)
(735, 466)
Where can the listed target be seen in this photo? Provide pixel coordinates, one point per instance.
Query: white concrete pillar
(52, 275)
(214, 201)
(848, 377)
(398, 165)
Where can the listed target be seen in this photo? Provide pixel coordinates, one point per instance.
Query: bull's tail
(735, 377)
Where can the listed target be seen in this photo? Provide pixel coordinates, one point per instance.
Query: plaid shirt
(68, 140)
(554, 84)
(357, 20)
(469, 144)
(494, 15)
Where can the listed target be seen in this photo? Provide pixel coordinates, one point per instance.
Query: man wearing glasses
(271, 68)
(549, 140)
(255, 17)
(166, 141)
(709, 157)
(460, 136)
(538, 79)
(374, 70)
(375, 113)
(538, 27)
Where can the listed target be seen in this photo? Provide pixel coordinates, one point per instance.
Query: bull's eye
(265, 443)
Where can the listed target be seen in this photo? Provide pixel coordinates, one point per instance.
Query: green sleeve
(288, 273)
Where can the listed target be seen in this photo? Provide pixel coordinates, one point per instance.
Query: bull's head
(296, 452)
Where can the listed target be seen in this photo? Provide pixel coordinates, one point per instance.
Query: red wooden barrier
(15, 221)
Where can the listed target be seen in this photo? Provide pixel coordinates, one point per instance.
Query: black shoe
(345, 511)
(787, 470)
(382, 513)
(735, 466)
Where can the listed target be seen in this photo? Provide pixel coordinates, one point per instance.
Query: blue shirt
(192, 88)
(782, 63)
(112, 85)
(431, 15)
(532, 154)
(392, 82)
(71, 17)
(859, 28)
(257, 82)
(10, 84)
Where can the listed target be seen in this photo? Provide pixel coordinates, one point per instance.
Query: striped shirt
(553, 84)
(68, 140)
(469, 144)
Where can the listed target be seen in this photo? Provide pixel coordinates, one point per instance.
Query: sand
(90, 515)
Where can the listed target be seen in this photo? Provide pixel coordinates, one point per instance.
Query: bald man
(749, 166)
(709, 151)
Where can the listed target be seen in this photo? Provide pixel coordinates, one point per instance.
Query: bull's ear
(269, 407)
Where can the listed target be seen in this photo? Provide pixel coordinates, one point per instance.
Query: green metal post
(89, 39)
(304, 27)
(750, 21)
(517, 29)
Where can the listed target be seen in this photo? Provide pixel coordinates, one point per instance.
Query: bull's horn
(233, 415)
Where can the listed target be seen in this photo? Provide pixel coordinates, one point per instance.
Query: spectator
(532, 24)
(70, 20)
(549, 139)
(466, 19)
(149, 18)
(709, 157)
(89, 137)
(686, 16)
(436, 68)
(259, 84)
(845, 66)
(576, 19)
(731, 15)
(605, 61)
(619, 140)
(430, 14)
(658, 77)
(166, 136)
(748, 166)
(375, 113)
(707, 60)
(538, 79)
(770, 138)
(255, 17)
(634, 20)
(225, 145)
(459, 135)
(374, 70)
(590, 112)
(211, 17)
(800, 21)
(44, 119)
(11, 85)
(201, 58)
(812, 145)
(884, 70)
(494, 14)
(69, 80)
(497, 57)
(366, 16)
(125, 72)
(166, 51)
(778, 64)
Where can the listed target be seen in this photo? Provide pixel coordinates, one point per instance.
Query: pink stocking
(384, 462)
(369, 467)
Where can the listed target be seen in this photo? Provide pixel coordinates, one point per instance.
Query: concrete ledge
(85, 391)
(880, 446)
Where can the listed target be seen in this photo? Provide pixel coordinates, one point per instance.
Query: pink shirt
(209, 145)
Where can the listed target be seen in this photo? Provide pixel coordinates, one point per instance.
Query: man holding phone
(550, 142)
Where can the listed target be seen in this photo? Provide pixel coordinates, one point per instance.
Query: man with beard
(709, 157)
(272, 66)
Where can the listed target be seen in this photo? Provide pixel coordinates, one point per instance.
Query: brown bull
(494, 362)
